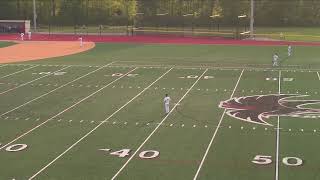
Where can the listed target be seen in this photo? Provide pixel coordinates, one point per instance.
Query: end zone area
(108, 122)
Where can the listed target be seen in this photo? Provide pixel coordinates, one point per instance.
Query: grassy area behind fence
(270, 33)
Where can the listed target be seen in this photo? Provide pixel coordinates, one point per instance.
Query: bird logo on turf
(259, 108)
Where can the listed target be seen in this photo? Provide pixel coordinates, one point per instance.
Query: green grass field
(5, 44)
(100, 115)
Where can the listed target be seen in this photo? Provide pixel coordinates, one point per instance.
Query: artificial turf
(69, 120)
(5, 44)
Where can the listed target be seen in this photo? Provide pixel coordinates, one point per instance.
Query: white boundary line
(278, 135)
(216, 131)
(18, 71)
(193, 67)
(45, 167)
(183, 58)
(318, 75)
(8, 90)
(142, 144)
(217, 66)
(54, 90)
(75, 104)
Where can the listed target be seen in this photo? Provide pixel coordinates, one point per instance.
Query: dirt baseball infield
(35, 50)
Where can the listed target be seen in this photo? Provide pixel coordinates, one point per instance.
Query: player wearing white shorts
(289, 50)
(21, 36)
(166, 101)
(275, 60)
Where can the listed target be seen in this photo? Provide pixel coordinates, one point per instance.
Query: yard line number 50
(288, 161)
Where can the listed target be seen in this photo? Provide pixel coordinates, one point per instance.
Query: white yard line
(157, 127)
(277, 149)
(77, 103)
(278, 135)
(215, 132)
(95, 128)
(54, 89)
(18, 72)
(8, 90)
(318, 75)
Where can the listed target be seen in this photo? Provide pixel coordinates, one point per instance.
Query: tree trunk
(53, 8)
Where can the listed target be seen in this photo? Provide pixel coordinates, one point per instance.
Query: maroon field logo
(258, 108)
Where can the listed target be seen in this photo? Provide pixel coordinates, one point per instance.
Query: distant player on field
(21, 36)
(289, 50)
(275, 61)
(166, 101)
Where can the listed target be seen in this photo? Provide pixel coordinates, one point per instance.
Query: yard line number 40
(148, 154)
(288, 161)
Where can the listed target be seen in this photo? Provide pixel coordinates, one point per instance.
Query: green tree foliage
(217, 10)
(120, 12)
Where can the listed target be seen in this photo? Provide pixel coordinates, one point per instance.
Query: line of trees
(122, 12)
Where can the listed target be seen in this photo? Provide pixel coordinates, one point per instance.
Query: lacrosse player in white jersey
(166, 101)
(289, 50)
(275, 61)
(22, 36)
